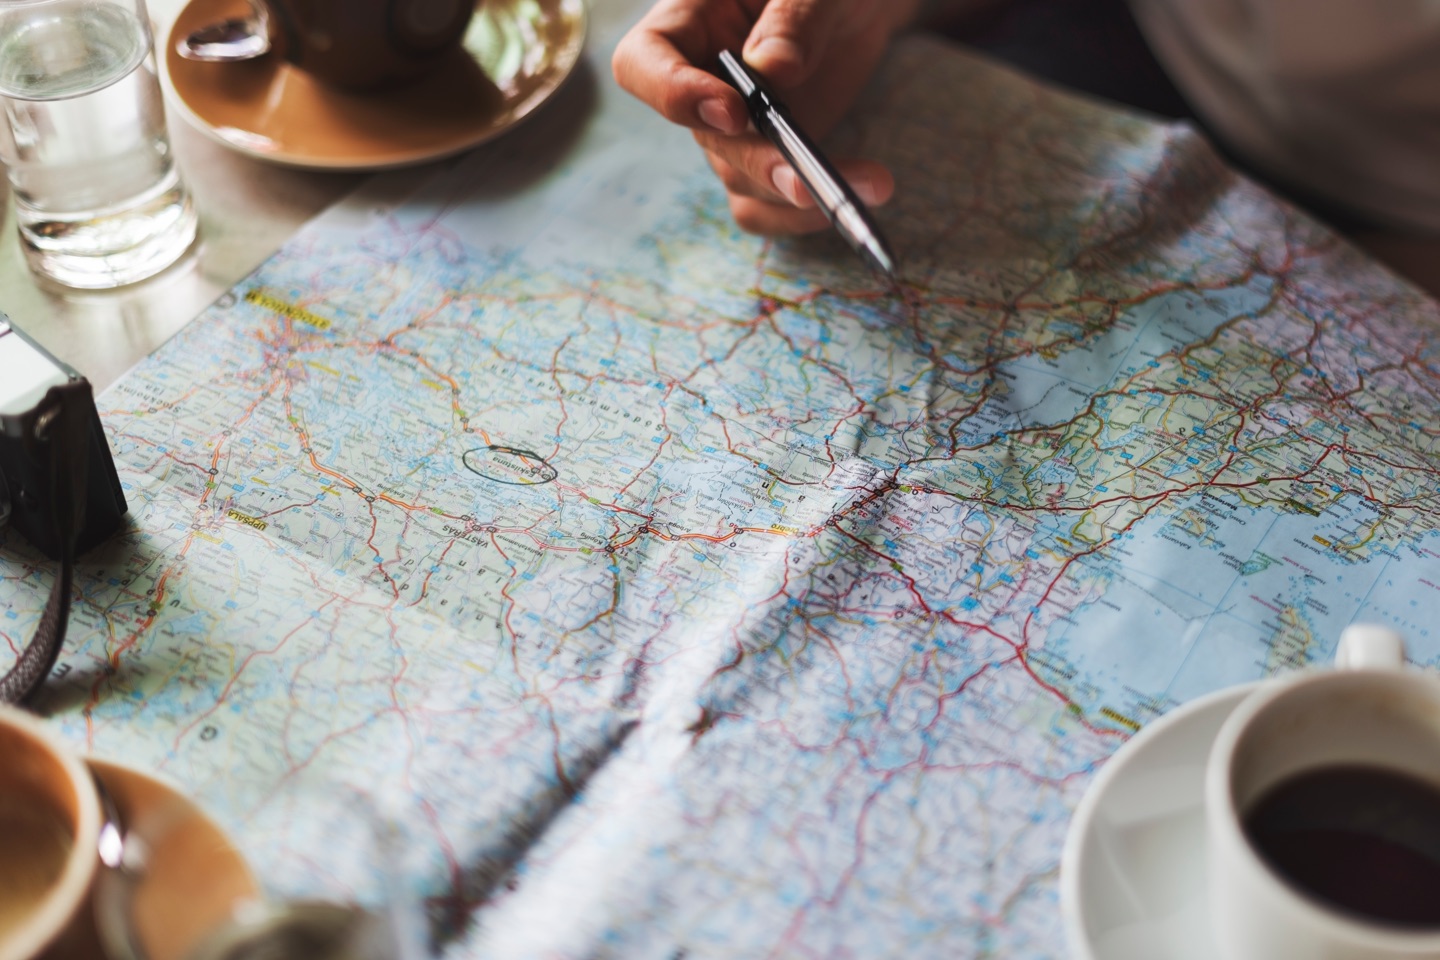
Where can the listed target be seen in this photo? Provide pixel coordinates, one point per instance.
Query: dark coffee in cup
(1359, 838)
(366, 44)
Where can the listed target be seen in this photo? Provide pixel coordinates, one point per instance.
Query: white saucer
(1133, 874)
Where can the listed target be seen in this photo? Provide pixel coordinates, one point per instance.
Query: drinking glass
(98, 200)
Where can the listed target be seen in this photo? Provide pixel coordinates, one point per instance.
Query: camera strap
(56, 436)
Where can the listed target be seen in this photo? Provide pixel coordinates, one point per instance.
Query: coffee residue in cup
(1359, 838)
(35, 841)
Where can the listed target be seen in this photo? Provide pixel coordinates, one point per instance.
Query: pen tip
(882, 261)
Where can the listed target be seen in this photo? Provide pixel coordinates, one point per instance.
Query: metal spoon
(124, 858)
(240, 38)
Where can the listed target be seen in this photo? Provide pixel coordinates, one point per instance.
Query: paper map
(683, 594)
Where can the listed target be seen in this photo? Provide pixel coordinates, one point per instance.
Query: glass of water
(98, 200)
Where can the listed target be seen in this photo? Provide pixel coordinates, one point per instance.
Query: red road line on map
(766, 313)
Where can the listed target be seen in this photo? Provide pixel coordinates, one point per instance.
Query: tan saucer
(194, 877)
(517, 53)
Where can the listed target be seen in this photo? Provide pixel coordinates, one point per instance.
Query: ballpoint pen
(844, 209)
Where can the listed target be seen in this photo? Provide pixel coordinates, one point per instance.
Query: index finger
(656, 60)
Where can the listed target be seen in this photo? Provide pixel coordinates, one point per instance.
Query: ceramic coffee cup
(50, 823)
(1323, 812)
(366, 44)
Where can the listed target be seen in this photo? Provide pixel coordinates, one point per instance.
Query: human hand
(817, 54)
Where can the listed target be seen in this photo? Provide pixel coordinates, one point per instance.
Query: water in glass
(97, 196)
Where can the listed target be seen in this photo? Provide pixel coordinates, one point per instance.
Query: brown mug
(49, 831)
(59, 828)
(366, 44)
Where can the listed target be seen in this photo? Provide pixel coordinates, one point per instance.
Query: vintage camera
(57, 478)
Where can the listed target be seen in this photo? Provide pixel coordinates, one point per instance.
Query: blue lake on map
(1044, 392)
(1210, 606)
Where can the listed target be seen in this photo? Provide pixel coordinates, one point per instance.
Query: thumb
(789, 40)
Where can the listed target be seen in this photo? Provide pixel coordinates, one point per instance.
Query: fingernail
(787, 183)
(714, 114)
(773, 52)
(867, 190)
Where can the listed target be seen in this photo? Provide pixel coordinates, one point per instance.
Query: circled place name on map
(509, 465)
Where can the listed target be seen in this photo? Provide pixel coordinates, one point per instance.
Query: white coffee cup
(1369, 710)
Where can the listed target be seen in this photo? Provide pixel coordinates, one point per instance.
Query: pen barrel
(821, 180)
(845, 211)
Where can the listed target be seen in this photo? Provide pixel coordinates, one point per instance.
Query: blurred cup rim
(63, 902)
